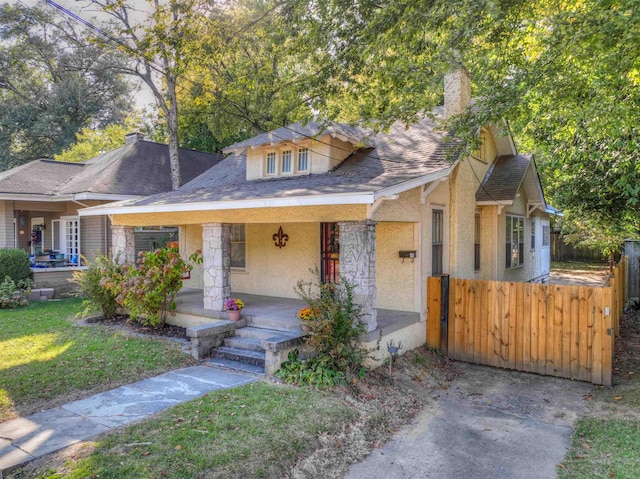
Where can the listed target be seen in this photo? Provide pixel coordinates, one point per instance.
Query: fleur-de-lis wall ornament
(280, 238)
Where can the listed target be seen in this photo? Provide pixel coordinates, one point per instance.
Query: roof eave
(414, 183)
(35, 197)
(363, 198)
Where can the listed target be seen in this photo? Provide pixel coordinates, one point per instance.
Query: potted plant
(306, 315)
(233, 307)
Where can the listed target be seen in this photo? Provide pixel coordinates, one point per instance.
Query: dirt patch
(384, 402)
(126, 324)
(579, 277)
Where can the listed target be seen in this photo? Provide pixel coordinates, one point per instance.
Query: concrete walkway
(27, 438)
(490, 423)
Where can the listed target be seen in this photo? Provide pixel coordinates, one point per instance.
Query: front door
(329, 253)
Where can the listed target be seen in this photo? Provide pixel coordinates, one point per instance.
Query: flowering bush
(233, 304)
(308, 314)
(148, 288)
(13, 295)
(173, 245)
(91, 286)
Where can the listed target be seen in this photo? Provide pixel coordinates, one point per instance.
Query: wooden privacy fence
(556, 330)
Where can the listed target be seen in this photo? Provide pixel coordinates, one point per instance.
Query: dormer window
(286, 161)
(303, 159)
(271, 163)
(287, 165)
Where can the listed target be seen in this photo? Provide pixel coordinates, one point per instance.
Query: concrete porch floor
(283, 310)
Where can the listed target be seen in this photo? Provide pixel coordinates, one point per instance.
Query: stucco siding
(190, 242)
(395, 277)
(273, 271)
(297, 214)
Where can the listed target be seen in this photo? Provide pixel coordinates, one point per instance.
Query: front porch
(281, 314)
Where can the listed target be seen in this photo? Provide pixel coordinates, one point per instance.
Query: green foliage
(13, 295)
(148, 288)
(53, 82)
(334, 337)
(14, 263)
(90, 281)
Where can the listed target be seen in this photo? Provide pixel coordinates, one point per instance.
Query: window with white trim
(514, 247)
(546, 235)
(238, 246)
(55, 236)
(303, 159)
(437, 242)
(271, 163)
(476, 243)
(533, 235)
(287, 165)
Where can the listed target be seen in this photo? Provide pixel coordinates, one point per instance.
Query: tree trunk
(172, 125)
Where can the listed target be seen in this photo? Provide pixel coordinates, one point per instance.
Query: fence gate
(555, 330)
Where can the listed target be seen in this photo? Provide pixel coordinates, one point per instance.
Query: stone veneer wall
(358, 265)
(216, 253)
(123, 243)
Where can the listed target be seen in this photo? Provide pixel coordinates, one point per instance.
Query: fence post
(632, 252)
(444, 313)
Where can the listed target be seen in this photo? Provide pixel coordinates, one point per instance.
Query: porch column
(123, 244)
(6, 225)
(358, 265)
(216, 253)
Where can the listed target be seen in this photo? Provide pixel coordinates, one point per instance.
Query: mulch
(124, 322)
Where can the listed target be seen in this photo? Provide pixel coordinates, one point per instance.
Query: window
(238, 246)
(515, 242)
(437, 224)
(546, 235)
(533, 235)
(476, 245)
(271, 163)
(303, 159)
(287, 166)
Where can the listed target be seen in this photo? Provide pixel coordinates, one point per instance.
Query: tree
(157, 47)
(565, 74)
(52, 84)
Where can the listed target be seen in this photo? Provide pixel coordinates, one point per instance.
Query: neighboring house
(39, 201)
(385, 210)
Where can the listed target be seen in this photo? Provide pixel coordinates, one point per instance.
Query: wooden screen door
(329, 253)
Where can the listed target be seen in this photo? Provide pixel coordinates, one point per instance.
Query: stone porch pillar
(123, 244)
(6, 225)
(358, 265)
(216, 254)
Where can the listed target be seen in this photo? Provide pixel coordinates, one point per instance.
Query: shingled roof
(390, 160)
(506, 176)
(138, 168)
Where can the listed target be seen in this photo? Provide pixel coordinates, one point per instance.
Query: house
(385, 210)
(39, 201)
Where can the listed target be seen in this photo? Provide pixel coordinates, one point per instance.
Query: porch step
(265, 333)
(236, 366)
(255, 358)
(285, 325)
(244, 343)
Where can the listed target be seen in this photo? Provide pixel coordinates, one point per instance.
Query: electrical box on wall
(407, 254)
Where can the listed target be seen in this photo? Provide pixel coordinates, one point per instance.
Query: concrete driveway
(490, 424)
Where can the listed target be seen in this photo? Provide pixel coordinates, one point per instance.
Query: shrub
(334, 328)
(148, 288)
(90, 283)
(15, 264)
(13, 295)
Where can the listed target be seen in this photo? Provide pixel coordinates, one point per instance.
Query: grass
(606, 442)
(47, 359)
(579, 266)
(258, 430)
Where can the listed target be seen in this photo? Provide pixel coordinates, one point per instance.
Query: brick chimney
(457, 91)
(132, 137)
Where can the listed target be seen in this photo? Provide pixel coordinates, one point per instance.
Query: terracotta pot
(234, 314)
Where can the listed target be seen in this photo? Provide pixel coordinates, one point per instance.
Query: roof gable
(506, 176)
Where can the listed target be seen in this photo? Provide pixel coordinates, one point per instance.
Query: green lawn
(258, 430)
(46, 359)
(606, 442)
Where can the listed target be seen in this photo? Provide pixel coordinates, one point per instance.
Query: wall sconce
(407, 254)
(280, 238)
